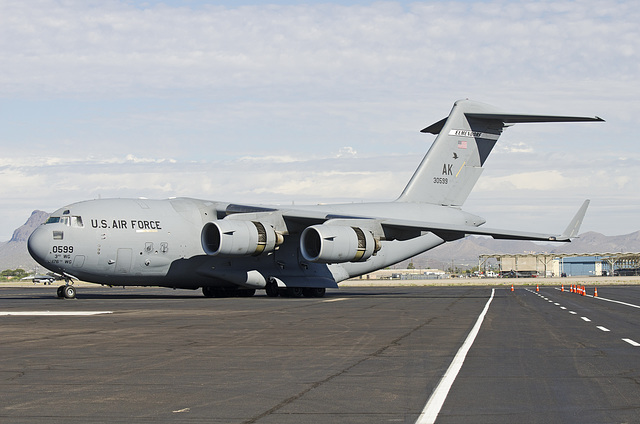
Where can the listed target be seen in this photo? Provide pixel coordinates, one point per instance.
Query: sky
(284, 102)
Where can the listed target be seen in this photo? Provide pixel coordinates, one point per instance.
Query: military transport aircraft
(230, 249)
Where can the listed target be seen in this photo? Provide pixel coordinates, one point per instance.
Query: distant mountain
(592, 242)
(13, 253)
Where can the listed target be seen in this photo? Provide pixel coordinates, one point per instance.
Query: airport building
(555, 265)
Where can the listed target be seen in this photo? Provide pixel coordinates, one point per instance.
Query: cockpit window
(69, 221)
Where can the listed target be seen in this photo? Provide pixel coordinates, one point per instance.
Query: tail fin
(464, 140)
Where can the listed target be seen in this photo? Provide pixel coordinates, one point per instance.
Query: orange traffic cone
(595, 292)
(571, 288)
(562, 289)
(537, 288)
(584, 291)
(511, 287)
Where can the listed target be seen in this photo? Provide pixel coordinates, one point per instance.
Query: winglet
(574, 226)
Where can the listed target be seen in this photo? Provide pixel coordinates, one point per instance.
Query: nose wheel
(67, 292)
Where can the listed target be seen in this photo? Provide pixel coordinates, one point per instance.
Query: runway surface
(359, 355)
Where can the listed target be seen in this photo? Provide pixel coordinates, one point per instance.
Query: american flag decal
(462, 144)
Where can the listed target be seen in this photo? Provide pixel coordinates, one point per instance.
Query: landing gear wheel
(69, 292)
(246, 292)
(314, 292)
(294, 292)
(61, 292)
(272, 289)
(208, 291)
(220, 292)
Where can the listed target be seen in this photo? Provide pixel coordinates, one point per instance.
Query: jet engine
(239, 238)
(337, 243)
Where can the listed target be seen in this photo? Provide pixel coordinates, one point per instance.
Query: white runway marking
(439, 395)
(573, 313)
(334, 300)
(602, 328)
(585, 319)
(53, 313)
(631, 342)
(617, 301)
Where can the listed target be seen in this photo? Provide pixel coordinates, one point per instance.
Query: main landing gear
(273, 290)
(67, 292)
(227, 292)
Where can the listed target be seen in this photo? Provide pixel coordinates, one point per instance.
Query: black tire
(272, 289)
(318, 292)
(313, 292)
(246, 292)
(295, 292)
(61, 292)
(208, 291)
(69, 292)
(221, 292)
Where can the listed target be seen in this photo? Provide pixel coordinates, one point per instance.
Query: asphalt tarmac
(358, 355)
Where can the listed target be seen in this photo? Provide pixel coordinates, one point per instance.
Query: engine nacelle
(238, 238)
(337, 243)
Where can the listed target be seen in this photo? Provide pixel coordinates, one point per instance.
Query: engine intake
(238, 238)
(337, 243)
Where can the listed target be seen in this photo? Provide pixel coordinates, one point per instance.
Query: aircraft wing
(404, 229)
(458, 231)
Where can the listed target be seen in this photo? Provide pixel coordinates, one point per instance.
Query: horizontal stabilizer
(513, 118)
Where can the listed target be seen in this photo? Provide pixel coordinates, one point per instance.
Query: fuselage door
(123, 261)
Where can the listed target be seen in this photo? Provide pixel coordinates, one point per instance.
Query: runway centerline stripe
(53, 313)
(586, 319)
(631, 342)
(599, 327)
(439, 395)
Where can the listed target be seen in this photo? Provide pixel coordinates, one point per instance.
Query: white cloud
(347, 152)
(541, 180)
(117, 49)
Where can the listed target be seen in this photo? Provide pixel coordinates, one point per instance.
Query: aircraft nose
(38, 244)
